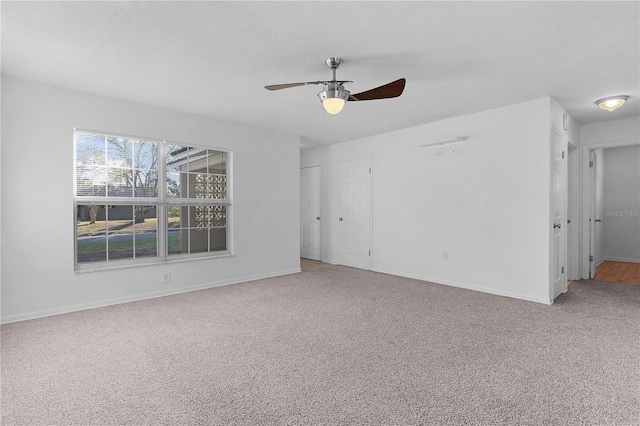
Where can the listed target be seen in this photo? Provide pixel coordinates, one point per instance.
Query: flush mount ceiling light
(612, 103)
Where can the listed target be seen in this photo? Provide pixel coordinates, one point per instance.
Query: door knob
(556, 225)
(340, 219)
(598, 220)
(317, 217)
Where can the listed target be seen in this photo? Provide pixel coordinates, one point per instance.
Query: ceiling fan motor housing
(333, 90)
(333, 62)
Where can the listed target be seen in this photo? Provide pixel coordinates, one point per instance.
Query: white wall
(621, 193)
(610, 131)
(37, 208)
(488, 206)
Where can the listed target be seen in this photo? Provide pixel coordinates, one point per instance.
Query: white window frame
(162, 203)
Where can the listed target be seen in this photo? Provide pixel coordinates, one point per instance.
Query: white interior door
(355, 213)
(559, 213)
(310, 218)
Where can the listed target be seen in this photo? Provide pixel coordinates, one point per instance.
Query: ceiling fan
(334, 95)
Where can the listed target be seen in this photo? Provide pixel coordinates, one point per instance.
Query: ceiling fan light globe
(333, 98)
(333, 105)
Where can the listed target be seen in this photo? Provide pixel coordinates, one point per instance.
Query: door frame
(573, 211)
(595, 156)
(586, 197)
(370, 160)
(322, 216)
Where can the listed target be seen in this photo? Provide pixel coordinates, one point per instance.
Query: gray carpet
(331, 346)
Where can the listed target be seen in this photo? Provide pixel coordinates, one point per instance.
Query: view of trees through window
(120, 209)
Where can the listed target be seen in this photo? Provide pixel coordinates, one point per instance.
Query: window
(123, 216)
(197, 199)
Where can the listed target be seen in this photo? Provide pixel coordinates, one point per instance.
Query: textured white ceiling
(214, 58)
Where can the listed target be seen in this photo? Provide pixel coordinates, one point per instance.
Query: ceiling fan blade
(288, 85)
(390, 90)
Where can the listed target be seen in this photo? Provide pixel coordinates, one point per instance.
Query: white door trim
(573, 212)
(320, 213)
(370, 218)
(586, 196)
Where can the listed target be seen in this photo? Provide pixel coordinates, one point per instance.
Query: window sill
(187, 258)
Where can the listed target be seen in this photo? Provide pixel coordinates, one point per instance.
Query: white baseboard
(144, 296)
(466, 286)
(331, 261)
(622, 259)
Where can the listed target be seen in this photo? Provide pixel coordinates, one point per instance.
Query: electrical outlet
(439, 153)
(452, 151)
(166, 277)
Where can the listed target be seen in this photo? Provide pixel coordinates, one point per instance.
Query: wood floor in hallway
(310, 265)
(618, 272)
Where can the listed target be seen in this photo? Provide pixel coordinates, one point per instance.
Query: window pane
(91, 172)
(119, 163)
(145, 168)
(146, 182)
(177, 237)
(146, 155)
(146, 231)
(173, 227)
(177, 227)
(176, 155)
(218, 228)
(217, 162)
(201, 217)
(217, 187)
(199, 241)
(218, 216)
(189, 185)
(185, 216)
(173, 183)
(174, 217)
(119, 182)
(91, 242)
(119, 152)
(218, 239)
(120, 232)
(120, 246)
(146, 244)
